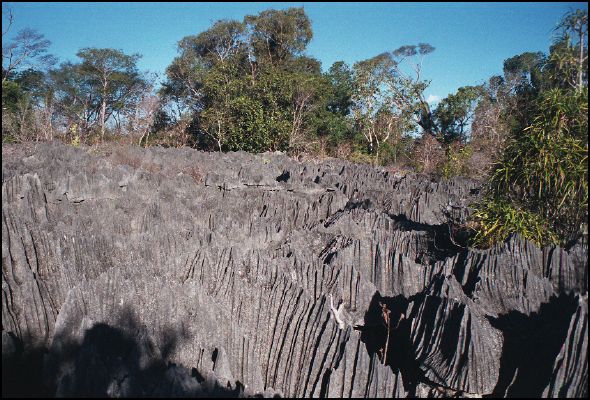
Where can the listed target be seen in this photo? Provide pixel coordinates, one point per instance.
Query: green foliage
(360, 157)
(455, 163)
(241, 114)
(112, 77)
(104, 83)
(216, 44)
(396, 152)
(8, 138)
(539, 186)
(74, 95)
(526, 71)
(334, 127)
(454, 113)
(525, 77)
(385, 99)
(495, 220)
(279, 35)
(162, 121)
(544, 172)
(248, 85)
(341, 80)
(113, 62)
(17, 113)
(34, 83)
(562, 65)
(11, 97)
(11, 94)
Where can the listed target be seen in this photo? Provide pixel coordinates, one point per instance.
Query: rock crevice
(172, 272)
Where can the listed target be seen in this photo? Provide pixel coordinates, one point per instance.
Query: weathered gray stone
(172, 272)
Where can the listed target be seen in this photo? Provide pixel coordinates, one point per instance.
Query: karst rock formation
(174, 272)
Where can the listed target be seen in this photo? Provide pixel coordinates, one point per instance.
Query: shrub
(360, 157)
(540, 186)
(456, 162)
(493, 221)
(76, 141)
(427, 155)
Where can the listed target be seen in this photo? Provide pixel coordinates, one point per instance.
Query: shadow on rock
(109, 361)
(386, 334)
(531, 345)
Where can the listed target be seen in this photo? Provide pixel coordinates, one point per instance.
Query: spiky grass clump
(539, 188)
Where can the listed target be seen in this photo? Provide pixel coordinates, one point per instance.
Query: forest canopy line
(249, 85)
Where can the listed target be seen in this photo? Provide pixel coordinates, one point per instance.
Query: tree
(75, 98)
(278, 35)
(491, 125)
(507, 106)
(11, 93)
(568, 61)
(37, 86)
(27, 49)
(247, 85)
(369, 98)
(113, 77)
(382, 88)
(221, 91)
(27, 107)
(455, 113)
(327, 126)
(144, 114)
(12, 99)
(525, 77)
(222, 44)
(524, 71)
(341, 79)
(304, 100)
(414, 55)
(217, 44)
(23, 60)
(540, 186)
(241, 114)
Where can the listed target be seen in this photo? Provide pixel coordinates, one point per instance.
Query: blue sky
(471, 39)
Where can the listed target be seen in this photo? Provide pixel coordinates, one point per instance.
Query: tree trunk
(103, 109)
(377, 154)
(47, 112)
(581, 61)
(219, 135)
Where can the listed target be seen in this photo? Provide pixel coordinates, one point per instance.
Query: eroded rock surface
(172, 272)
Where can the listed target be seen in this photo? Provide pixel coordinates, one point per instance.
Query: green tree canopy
(455, 113)
(104, 82)
(382, 89)
(341, 79)
(278, 35)
(113, 78)
(248, 84)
